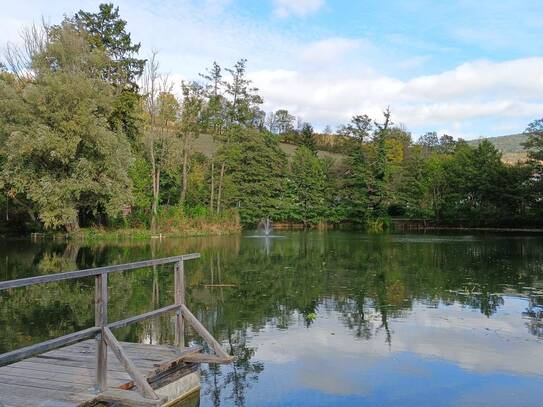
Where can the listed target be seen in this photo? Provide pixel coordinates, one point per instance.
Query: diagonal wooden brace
(204, 333)
(144, 388)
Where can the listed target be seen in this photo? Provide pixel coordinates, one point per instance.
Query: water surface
(317, 318)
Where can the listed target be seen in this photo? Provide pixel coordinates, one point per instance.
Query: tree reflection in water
(240, 286)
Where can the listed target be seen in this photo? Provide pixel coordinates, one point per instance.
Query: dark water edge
(318, 318)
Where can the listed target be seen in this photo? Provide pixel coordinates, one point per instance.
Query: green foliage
(243, 99)
(356, 185)
(257, 168)
(107, 31)
(534, 143)
(307, 138)
(309, 185)
(60, 152)
(140, 175)
(81, 143)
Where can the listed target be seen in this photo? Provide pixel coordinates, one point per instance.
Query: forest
(94, 135)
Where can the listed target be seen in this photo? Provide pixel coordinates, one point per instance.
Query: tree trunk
(73, 226)
(219, 192)
(156, 192)
(212, 185)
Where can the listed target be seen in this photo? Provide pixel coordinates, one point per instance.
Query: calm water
(319, 319)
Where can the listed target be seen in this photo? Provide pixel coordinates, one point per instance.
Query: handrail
(23, 282)
(102, 328)
(100, 304)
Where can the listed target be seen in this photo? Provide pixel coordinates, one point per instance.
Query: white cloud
(299, 8)
(323, 77)
(329, 50)
(473, 91)
(523, 77)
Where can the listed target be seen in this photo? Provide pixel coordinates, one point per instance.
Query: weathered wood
(68, 372)
(51, 376)
(100, 320)
(142, 317)
(179, 288)
(89, 362)
(4, 285)
(172, 374)
(138, 351)
(174, 362)
(203, 332)
(125, 397)
(43, 383)
(168, 370)
(76, 376)
(7, 391)
(36, 349)
(141, 382)
(202, 358)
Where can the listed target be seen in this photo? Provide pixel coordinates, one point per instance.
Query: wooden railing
(102, 328)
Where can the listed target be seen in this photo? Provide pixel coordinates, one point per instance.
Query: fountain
(266, 226)
(265, 230)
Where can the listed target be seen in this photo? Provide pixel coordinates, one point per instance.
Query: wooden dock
(74, 370)
(66, 376)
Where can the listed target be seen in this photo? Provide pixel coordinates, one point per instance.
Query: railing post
(100, 320)
(179, 292)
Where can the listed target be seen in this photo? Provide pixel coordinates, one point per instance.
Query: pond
(317, 318)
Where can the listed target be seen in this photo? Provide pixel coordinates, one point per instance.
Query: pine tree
(310, 181)
(307, 138)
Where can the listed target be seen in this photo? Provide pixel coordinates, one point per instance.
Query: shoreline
(90, 235)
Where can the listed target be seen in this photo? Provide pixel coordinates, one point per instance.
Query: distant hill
(510, 146)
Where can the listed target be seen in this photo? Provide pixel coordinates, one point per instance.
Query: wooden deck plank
(82, 378)
(56, 369)
(44, 383)
(65, 377)
(9, 391)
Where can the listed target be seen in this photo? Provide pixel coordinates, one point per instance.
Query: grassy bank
(171, 222)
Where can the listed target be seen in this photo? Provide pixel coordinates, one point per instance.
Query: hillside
(510, 146)
(207, 146)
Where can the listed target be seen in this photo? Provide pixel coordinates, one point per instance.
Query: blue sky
(466, 68)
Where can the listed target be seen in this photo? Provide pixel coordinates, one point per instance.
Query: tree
(215, 111)
(240, 105)
(161, 110)
(534, 143)
(284, 122)
(378, 190)
(310, 181)
(356, 185)
(107, 31)
(242, 98)
(191, 125)
(429, 140)
(61, 155)
(359, 129)
(307, 138)
(256, 173)
(357, 176)
(271, 122)
(215, 117)
(476, 179)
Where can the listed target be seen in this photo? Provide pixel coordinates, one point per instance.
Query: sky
(466, 68)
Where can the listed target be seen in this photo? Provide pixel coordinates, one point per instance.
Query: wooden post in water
(179, 283)
(100, 320)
